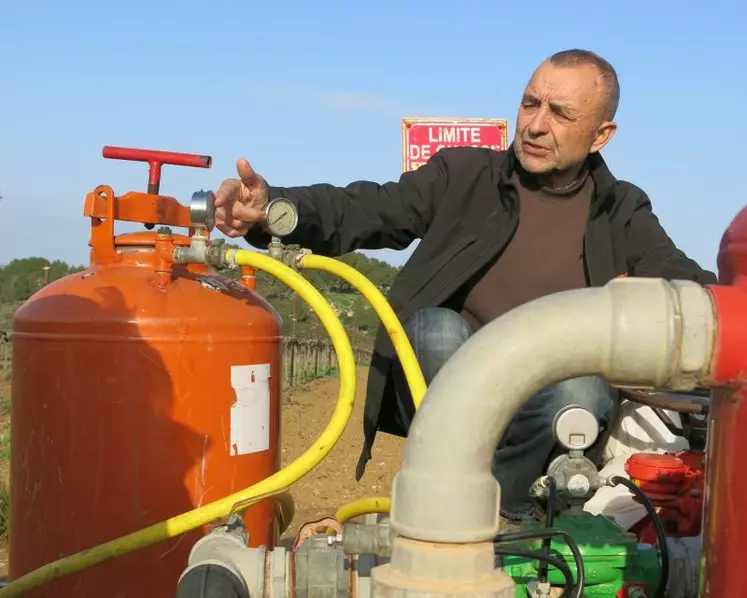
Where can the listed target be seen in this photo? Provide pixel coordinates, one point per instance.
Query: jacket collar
(604, 180)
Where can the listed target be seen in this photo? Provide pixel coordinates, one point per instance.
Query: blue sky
(315, 92)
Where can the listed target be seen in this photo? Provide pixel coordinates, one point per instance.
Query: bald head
(566, 113)
(607, 74)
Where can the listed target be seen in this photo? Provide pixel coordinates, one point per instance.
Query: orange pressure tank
(140, 390)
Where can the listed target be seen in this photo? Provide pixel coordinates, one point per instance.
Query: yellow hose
(363, 507)
(272, 485)
(365, 287)
(402, 346)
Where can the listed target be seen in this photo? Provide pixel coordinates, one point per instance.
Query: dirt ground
(332, 484)
(306, 412)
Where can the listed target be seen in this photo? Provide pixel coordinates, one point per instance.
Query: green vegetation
(21, 278)
(354, 312)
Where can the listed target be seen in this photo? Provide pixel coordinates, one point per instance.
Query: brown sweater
(544, 256)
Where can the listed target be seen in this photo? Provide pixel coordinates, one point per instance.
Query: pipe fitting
(290, 255)
(196, 251)
(635, 332)
(223, 556)
(368, 538)
(425, 569)
(201, 252)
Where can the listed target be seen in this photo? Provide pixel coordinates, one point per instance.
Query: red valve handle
(155, 160)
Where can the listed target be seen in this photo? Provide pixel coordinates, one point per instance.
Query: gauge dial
(281, 217)
(202, 210)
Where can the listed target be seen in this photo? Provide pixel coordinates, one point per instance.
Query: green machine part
(612, 557)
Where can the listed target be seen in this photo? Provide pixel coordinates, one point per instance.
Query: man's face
(561, 118)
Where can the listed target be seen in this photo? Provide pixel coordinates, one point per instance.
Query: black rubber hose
(546, 533)
(658, 527)
(552, 489)
(545, 560)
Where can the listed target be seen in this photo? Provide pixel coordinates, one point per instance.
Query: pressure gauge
(202, 210)
(281, 216)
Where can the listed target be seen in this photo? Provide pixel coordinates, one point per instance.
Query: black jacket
(464, 209)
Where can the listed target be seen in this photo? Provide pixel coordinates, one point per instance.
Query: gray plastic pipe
(632, 332)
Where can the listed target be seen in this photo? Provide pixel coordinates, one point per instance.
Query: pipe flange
(278, 577)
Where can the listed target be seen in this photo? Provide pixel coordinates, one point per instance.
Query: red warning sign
(423, 137)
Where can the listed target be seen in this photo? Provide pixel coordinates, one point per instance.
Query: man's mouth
(535, 149)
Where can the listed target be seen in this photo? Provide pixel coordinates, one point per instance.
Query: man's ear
(604, 133)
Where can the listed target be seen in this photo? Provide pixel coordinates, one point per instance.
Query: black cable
(698, 391)
(552, 489)
(546, 533)
(544, 560)
(661, 537)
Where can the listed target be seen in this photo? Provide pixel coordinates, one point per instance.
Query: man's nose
(539, 125)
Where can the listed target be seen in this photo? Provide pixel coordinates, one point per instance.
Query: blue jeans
(528, 445)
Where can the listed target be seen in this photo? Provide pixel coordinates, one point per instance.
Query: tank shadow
(95, 453)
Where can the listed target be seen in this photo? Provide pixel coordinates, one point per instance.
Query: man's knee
(439, 321)
(436, 333)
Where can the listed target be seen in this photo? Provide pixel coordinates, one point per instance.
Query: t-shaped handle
(155, 160)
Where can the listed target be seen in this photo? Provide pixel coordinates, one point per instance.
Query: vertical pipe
(724, 521)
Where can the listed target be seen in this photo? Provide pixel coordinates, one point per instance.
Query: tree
(21, 278)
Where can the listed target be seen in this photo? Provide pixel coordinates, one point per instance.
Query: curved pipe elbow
(631, 332)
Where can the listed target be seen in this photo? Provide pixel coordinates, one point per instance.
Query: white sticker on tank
(250, 414)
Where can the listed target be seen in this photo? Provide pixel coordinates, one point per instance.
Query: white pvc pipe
(632, 332)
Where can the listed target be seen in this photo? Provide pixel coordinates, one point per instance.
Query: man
(497, 229)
